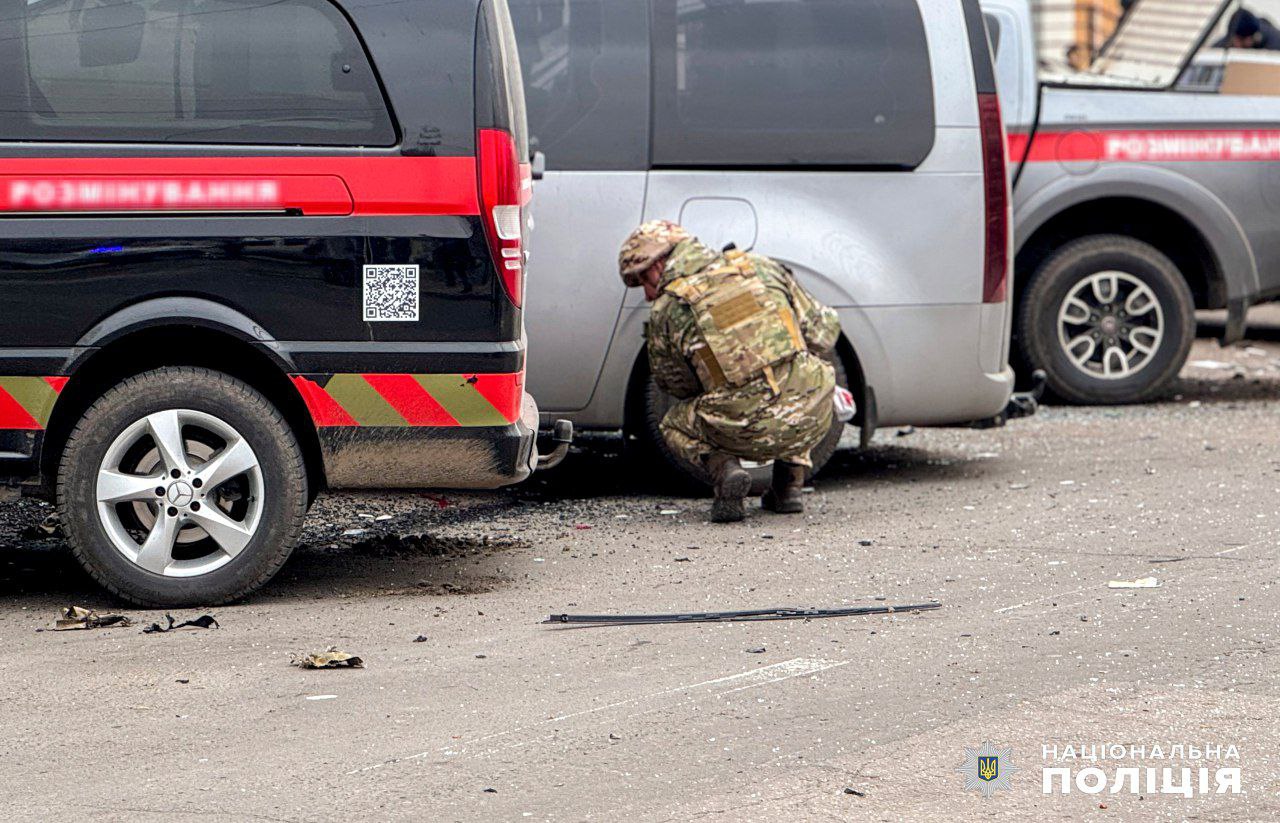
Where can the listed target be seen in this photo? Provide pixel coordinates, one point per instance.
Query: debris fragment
(1216, 365)
(613, 736)
(757, 650)
(353, 532)
(683, 560)
(731, 617)
(331, 658)
(491, 790)
(422, 638)
(854, 792)
(75, 618)
(202, 622)
(1142, 583)
(907, 432)
(322, 697)
(669, 511)
(582, 527)
(51, 526)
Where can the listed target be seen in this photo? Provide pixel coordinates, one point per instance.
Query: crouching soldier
(736, 340)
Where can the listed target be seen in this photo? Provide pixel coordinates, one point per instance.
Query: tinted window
(811, 82)
(586, 79)
(187, 71)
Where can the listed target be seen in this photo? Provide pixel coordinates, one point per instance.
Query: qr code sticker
(390, 293)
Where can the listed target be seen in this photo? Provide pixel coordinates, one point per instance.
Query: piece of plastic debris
(757, 650)
(731, 617)
(422, 638)
(330, 658)
(683, 560)
(203, 622)
(183, 680)
(382, 518)
(864, 542)
(76, 618)
(491, 791)
(907, 432)
(582, 527)
(669, 511)
(1216, 365)
(1142, 583)
(613, 736)
(854, 792)
(481, 656)
(322, 697)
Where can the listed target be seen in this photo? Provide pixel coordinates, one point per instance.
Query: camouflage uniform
(751, 421)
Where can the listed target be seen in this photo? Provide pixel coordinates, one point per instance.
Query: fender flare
(1200, 207)
(171, 312)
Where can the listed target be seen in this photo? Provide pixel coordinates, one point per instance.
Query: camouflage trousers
(751, 423)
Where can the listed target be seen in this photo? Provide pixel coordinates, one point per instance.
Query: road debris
(1213, 365)
(76, 618)
(1142, 583)
(51, 526)
(730, 617)
(203, 622)
(331, 658)
(854, 792)
(757, 650)
(422, 638)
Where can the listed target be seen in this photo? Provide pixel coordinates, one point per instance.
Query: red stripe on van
(1150, 146)
(406, 395)
(363, 186)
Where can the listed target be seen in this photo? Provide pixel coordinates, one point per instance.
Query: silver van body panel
(899, 254)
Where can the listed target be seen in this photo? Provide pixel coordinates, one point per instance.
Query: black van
(250, 249)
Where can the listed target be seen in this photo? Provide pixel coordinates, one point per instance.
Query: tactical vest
(747, 327)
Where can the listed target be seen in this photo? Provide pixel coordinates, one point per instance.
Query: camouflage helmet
(647, 245)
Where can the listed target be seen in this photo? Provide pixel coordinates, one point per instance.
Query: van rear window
(187, 71)
(791, 82)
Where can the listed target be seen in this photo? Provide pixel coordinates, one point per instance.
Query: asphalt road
(494, 717)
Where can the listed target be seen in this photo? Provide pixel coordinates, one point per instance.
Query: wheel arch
(1171, 212)
(146, 340)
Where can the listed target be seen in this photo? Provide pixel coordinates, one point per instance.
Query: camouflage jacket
(673, 332)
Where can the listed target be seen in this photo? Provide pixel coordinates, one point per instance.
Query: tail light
(995, 278)
(505, 187)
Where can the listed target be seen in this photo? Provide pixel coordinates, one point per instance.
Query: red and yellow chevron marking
(27, 402)
(400, 400)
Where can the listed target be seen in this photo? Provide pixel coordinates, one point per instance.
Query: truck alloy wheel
(1110, 325)
(1109, 318)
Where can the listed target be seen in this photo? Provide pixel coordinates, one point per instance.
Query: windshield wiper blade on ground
(730, 617)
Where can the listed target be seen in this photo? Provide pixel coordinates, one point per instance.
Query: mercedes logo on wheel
(180, 494)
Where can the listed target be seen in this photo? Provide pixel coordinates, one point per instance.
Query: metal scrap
(203, 622)
(75, 618)
(331, 658)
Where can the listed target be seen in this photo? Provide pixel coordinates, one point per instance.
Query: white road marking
(786, 670)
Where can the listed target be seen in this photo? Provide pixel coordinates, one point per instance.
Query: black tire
(282, 505)
(675, 472)
(1041, 347)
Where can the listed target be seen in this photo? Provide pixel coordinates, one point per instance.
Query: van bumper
(427, 457)
(933, 365)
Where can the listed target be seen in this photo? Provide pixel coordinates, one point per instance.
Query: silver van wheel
(1110, 325)
(180, 493)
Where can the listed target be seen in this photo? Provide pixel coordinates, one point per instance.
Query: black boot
(788, 484)
(733, 484)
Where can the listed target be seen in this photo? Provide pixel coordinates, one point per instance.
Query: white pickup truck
(1144, 189)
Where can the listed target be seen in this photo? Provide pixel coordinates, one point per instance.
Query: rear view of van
(858, 143)
(251, 249)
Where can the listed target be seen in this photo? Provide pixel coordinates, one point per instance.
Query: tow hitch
(1021, 404)
(562, 436)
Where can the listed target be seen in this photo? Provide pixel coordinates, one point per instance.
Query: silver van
(860, 143)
